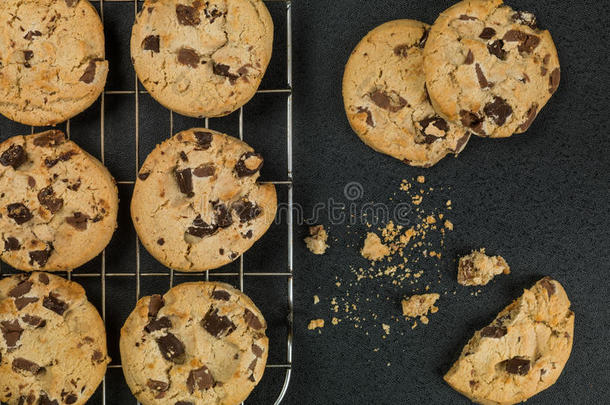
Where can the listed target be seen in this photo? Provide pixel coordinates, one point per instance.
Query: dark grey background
(540, 199)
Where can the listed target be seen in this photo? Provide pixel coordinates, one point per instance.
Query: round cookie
(52, 63)
(489, 67)
(202, 58)
(52, 342)
(522, 352)
(201, 343)
(385, 97)
(197, 205)
(58, 204)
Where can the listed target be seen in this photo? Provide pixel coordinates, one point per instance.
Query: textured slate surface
(540, 199)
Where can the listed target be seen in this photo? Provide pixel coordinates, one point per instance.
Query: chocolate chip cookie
(202, 58)
(58, 204)
(201, 343)
(490, 68)
(52, 63)
(386, 101)
(522, 352)
(52, 342)
(197, 204)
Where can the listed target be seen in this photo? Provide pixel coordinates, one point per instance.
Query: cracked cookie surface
(52, 63)
(202, 58)
(58, 204)
(385, 97)
(197, 205)
(200, 343)
(52, 342)
(490, 68)
(522, 352)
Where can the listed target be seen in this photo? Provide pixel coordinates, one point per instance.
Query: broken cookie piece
(316, 242)
(315, 324)
(373, 248)
(419, 306)
(479, 269)
(522, 352)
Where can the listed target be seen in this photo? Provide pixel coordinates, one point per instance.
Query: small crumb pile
(373, 248)
(419, 306)
(479, 269)
(316, 242)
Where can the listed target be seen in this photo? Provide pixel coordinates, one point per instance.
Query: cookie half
(52, 341)
(522, 352)
(58, 204)
(201, 343)
(52, 63)
(385, 97)
(197, 205)
(202, 58)
(489, 67)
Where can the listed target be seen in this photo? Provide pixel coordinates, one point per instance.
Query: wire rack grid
(105, 274)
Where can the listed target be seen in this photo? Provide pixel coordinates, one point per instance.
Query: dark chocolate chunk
(43, 278)
(435, 121)
(496, 48)
(160, 241)
(53, 303)
(11, 244)
(204, 139)
(258, 351)
(158, 324)
(183, 156)
(184, 403)
(14, 156)
(548, 285)
(27, 55)
(31, 34)
(388, 101)
(97, 356)
(23, 302)
(554, 80)
(224, 219)
(531, 115)
(252, 320)
(187, 15)
(20, 289)
(469, 58)
(11, 331)
(50, 138)
(465, 17)
(517, 365)
(487, 33)
(143, 176)
(34, 321)
(248, 235)
(89, 73)
(423, 39)
(459, 145)
(44, 400)
(252, 378)
(369, 116)
(223, 70)
(71, 3)
(252, 365)
(525, 18)
(171, 348)
(185, 181)
(31, 182)
(402, 50)
(498, 110)
(472, 121)
(41, 256)
(157, 385)
(200, 228)
(527, 42)
(241, 167)
(246, 210)
(212, 14)
(151, 43)
(71, 398)
(205, 170)
(19, 213)
(78, 220)
(200, 379)
(495, 332)
(154, 305)
(221, 295)
(47, 198)
(26, 365)
(483, 83)
(217, 325)
(188, 57)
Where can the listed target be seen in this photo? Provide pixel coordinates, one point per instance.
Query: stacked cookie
(416, 92)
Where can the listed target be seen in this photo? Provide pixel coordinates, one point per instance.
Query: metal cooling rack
(104, 274)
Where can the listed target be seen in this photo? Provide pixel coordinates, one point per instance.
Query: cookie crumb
(479, 269)
(386, 328)
(449, 225)
(316, 242)
(315, 323)
(373, 248)
(316, 299)
(421, 179)
(334, 321)
(420, 306)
